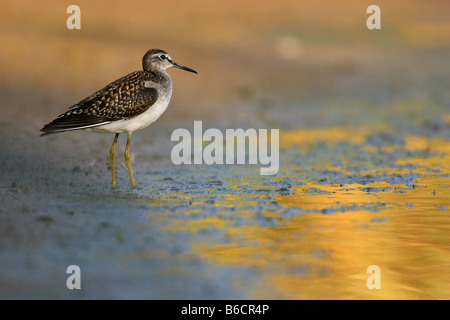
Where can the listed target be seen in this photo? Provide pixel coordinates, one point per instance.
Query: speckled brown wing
(124, 98)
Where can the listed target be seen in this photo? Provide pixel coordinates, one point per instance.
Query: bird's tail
(71, 123)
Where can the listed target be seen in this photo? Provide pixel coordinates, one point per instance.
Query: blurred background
(254, 60)
(364, 109)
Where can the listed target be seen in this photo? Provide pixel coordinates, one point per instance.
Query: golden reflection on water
(324, 251)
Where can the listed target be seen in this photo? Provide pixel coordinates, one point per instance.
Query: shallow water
(345, 198)
(339, 204)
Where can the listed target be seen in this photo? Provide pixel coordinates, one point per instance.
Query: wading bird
(128, 104)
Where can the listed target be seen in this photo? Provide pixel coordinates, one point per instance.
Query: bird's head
(159, 60)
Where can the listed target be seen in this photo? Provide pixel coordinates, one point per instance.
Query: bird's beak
(180, 66)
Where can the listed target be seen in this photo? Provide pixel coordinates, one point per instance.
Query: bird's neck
(160, 76)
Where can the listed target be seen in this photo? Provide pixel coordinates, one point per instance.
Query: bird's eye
(163, 57)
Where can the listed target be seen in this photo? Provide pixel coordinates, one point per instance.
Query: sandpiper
(128, 104)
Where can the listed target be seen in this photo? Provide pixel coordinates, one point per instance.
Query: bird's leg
(127, 158)
(112, 153)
